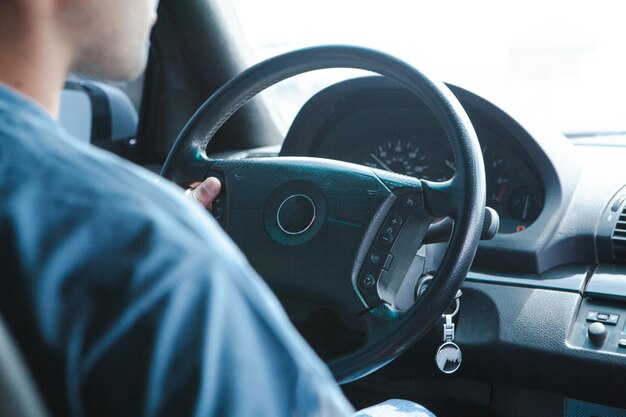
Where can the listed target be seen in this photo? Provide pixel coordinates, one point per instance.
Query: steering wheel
(340, 233)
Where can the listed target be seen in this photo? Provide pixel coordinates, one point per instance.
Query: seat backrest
(18, 394)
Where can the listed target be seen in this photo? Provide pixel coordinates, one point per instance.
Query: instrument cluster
(372, 122)
(409, 141)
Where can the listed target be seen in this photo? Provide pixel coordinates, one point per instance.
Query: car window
(562, 62)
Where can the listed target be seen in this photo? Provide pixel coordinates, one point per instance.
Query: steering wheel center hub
(296, 214)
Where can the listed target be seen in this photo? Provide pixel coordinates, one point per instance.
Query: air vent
(618, 238)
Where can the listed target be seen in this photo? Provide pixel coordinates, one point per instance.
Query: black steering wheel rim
(462, 197)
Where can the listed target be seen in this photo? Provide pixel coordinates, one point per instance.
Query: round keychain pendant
(448, 358)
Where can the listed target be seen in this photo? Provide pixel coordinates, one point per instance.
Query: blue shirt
(127, 299)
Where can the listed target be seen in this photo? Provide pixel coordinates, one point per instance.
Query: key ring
(457, 307)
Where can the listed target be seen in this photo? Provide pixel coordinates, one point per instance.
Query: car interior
(538, 327)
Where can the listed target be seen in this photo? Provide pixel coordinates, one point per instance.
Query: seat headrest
(96, 112)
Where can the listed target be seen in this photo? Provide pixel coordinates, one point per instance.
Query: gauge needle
(382, 164)
(501, 193)
(526, 204)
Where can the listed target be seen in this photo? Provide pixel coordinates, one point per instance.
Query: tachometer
(495, 171)
(401, 156)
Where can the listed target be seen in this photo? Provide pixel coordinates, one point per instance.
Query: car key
(449, 356)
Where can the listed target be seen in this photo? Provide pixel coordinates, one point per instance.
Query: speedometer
(402, 157)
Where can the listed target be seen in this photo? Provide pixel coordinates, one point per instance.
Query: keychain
(449, 357)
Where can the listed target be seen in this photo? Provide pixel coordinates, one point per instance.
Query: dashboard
(557, 265)
(382, 126)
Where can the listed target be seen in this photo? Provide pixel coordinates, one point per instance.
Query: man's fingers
(207, 191)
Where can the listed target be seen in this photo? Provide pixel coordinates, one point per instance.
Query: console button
(395, 222)
(385, 238)
(369, 277)
(622, 343)
(367, 280)
(390, 230)
(217, 209)
(597, 333)
(410, 200)
(379, 258)
(607, 318)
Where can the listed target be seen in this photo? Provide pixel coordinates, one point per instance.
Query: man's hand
(205, 192)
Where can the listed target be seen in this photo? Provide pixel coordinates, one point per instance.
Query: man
(126, 298)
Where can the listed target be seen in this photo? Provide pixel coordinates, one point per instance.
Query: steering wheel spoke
(382, 342)
(188, 167)
(441, 198)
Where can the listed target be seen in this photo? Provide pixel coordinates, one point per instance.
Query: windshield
(561, 62)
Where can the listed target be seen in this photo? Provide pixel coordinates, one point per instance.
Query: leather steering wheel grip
(463, 196)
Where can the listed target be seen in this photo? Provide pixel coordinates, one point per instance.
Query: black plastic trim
(608, 282)
(569, 278)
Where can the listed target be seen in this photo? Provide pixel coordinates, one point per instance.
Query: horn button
(296, 214)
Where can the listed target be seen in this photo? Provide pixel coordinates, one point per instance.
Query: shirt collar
(14, 102)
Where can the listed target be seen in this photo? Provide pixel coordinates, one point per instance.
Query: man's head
(104, 38)
(41, 41)
(109, 36)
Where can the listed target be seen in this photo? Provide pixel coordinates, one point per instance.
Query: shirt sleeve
(129, 300)
(155, 319)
